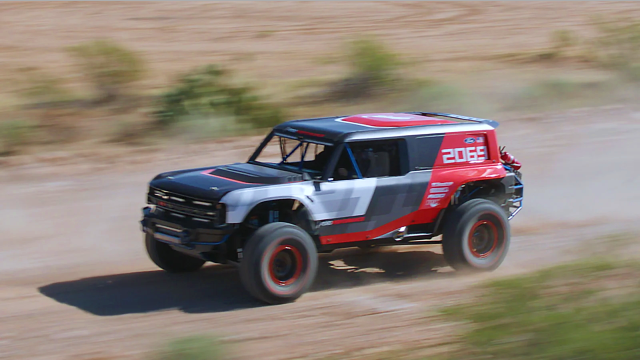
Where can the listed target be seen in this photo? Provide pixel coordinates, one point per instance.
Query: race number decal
(464, 154)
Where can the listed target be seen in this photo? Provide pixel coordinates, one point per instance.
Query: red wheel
(476, 236)
(279, 264)
(285, 265)
(483, 239)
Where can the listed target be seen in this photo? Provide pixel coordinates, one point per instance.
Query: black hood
(214, 182)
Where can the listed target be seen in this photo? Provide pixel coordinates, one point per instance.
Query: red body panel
(394, 120)
(449, 180)
(367, 235)
(462, 158)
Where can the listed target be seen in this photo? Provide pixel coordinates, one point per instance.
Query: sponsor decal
(326, 223)
(480, 139)
(438, 184)
(469, 140)
(436, 196)
(439, 190)
(433, 203)
(465, 154)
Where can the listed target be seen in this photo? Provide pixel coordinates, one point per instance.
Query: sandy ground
(75, 282)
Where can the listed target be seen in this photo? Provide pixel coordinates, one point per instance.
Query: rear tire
(476, 236)
(169, 259)
(279, 263)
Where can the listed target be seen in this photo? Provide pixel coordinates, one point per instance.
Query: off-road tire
(279, 263)
(169, 259)
(476, 236)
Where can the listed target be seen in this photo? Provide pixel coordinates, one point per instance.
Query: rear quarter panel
(462, 157)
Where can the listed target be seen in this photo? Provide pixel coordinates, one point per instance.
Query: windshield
(295, 155)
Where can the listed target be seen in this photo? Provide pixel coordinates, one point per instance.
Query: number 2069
(465, 154)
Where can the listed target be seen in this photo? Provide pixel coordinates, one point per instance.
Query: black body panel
(424, 150)
(393, 198)
(213, 183)
(256, 174)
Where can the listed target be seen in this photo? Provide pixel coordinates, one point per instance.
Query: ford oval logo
(469, 140)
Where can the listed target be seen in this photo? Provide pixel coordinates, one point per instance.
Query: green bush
(15, 134)
(209, 92)
(192, 348)
(372, 68)
(562, 93)
(41, 87)
(579, 311)
(371, 58)
(108, 66)
(562, 41)
(617, 45)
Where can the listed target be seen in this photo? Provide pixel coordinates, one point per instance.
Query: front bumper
(183, 233)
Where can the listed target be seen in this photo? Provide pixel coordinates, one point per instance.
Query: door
(372, 192)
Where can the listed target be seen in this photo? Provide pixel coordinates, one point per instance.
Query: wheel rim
(285, 265)
(483, 239)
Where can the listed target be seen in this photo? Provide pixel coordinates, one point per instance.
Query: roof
(380, 125)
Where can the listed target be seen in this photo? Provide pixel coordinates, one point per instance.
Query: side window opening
(373, 159)
(345, 168)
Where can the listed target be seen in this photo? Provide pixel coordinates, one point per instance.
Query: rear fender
(445, 182)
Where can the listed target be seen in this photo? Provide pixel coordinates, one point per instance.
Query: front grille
(184, 206)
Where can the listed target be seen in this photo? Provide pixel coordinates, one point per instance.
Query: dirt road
(76, 283)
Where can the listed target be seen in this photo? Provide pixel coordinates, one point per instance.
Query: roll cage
(305, 143)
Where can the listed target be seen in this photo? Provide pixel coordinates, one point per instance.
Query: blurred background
(97, 98)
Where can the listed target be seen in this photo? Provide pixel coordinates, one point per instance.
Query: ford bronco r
(316, 185)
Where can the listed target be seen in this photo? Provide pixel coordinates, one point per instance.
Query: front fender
(240, 202)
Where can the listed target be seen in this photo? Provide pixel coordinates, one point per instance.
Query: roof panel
(372, 125)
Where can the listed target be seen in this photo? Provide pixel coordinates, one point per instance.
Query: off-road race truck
(316, 185)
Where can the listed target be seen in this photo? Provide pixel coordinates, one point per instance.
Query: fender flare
(239, 203)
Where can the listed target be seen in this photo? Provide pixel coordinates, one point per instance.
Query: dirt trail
(75, 281)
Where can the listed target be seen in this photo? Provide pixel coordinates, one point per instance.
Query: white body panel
(324, 200)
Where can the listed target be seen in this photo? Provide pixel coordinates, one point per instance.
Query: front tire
(169, 259)
(476, 236)
(279, 263)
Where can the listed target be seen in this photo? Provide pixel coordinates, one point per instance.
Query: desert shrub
(15, 134)
(108, 66)
(192, 348)
(372, 68)
(129, 129)
(562, 41)
(39, 86)
(210, 92)
(371, 58)
(617, 45)
(588, 310)
(562, 93)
